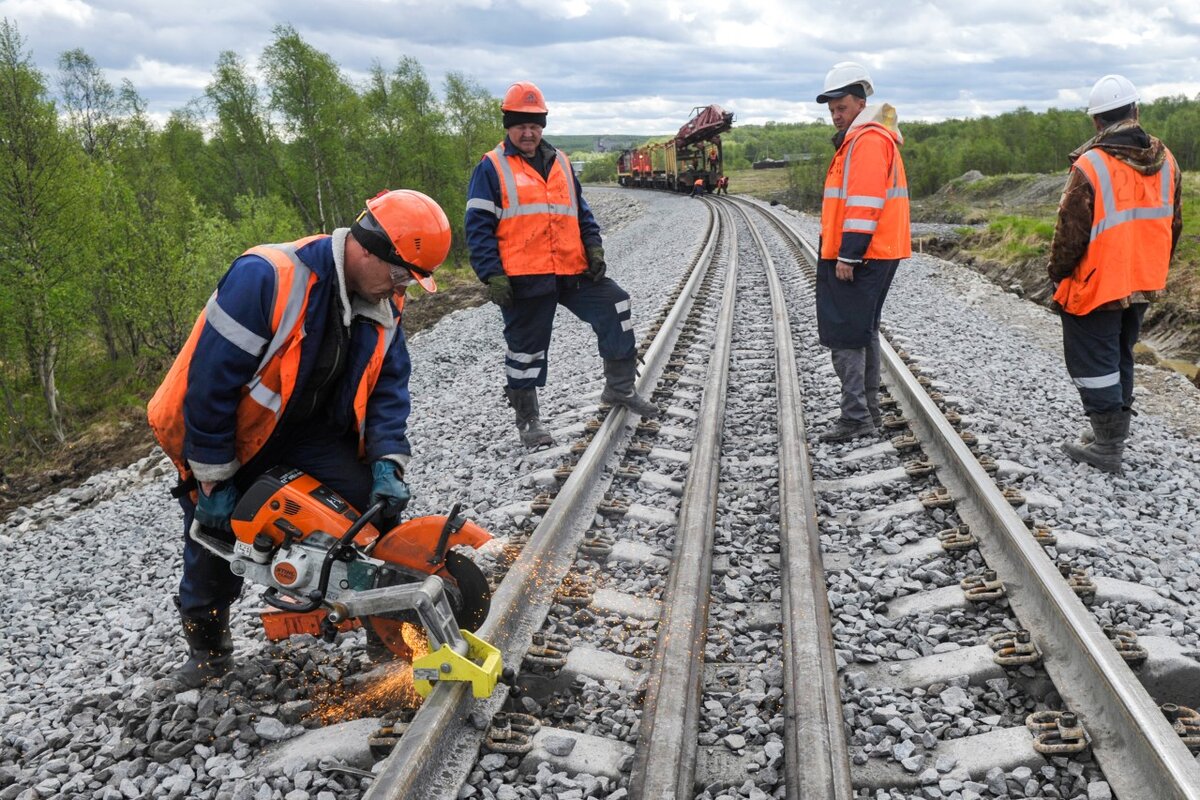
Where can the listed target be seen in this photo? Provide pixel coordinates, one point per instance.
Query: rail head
(438, 749)
(1133, 742)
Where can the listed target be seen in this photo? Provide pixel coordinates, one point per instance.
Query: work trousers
(848, 316)
(858, 370)
(330, 457)
(1098, 349)
(529, 322)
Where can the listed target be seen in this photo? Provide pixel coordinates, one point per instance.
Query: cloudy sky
(639, 67)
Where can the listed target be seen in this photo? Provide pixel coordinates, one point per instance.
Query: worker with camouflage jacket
(1119, 220)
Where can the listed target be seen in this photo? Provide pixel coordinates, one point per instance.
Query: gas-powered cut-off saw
(327, 568)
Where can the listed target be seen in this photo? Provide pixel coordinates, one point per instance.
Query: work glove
(215, 510)
(596, 266)
(389, 487)
(499, 290)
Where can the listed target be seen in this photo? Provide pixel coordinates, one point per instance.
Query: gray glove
(596, 266)
(499, 290)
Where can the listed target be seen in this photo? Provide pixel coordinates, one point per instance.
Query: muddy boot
(210, 649)
(525, 403)
(619, 377)
(846, 429)
(1109, 432)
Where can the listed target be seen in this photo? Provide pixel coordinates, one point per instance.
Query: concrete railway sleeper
(925, 709)
(441, 748)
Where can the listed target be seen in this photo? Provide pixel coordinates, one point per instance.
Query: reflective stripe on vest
(538, 218)
(1108, 197)
(889, 228)
(267, 393)
(1129, 248)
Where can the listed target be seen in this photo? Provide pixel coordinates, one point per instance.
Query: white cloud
(641, 65)
(76, 12)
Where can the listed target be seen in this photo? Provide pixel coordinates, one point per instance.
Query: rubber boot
(210, 649)
(1108, 444)
(619, 376)
(1086, 436)
(525, 403)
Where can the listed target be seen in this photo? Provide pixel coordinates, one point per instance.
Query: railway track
(716, 603)
(706, 640)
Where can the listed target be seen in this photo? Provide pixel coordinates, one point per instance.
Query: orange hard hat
(524, 97)
(406, 228)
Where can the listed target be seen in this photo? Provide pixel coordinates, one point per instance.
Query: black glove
(215, 510)
(499, 290)
(389, 487)
(596, 266)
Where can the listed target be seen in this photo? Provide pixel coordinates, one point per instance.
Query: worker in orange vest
(299, 359)
(864, 234)
(536, 245)
(697, 187)
(1119, 220)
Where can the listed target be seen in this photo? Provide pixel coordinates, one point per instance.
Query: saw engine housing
(314, 553)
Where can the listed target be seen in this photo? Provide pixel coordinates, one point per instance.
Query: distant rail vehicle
(676, 164)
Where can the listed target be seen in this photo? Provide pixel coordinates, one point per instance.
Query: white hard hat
(1111, 91)
(844, 74)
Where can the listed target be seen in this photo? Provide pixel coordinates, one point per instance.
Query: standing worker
(535, 243)
(297, 359)
(864, 234)
(1119, 220)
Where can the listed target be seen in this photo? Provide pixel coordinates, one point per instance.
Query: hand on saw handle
(214, 504)
(389, 488)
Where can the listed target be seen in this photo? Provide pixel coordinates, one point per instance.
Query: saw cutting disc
(466, 588)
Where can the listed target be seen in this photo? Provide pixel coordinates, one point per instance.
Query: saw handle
(317, 596)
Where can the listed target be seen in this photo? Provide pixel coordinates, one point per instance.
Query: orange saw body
(325, 568)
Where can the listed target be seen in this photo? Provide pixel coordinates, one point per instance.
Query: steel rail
(816, 756)
(665, 761)
(1131, 740)
(435, 755)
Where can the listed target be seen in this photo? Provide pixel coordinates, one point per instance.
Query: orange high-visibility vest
(538, 231)
(266, 395)
(866, 194)
(1130, 246)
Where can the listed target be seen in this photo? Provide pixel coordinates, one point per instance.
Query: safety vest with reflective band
(1130, 245)
(266, 395)
(865, 196)
(538, 228)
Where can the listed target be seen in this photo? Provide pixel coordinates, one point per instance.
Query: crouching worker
(1118, 223)
(297, 359)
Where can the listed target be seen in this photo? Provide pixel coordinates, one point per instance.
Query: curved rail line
(816, 760)
(437, 752)
(1130, 738)
(1142, 756)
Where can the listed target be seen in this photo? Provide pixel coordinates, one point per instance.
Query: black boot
(619, 378)
(525, 403)
(210, 649)
(1109, 432)
(846, 429)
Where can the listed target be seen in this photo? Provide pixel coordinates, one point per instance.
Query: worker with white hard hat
(864, 234)
(1118, 223)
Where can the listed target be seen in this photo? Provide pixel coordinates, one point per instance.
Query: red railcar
(694, 153)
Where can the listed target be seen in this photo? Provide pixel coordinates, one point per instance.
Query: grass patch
(1012, 238)
(763, 184)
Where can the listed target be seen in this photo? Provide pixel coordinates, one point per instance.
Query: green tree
(43, 197)
(318, 111)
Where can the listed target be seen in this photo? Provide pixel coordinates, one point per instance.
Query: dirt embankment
(1014, 255)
